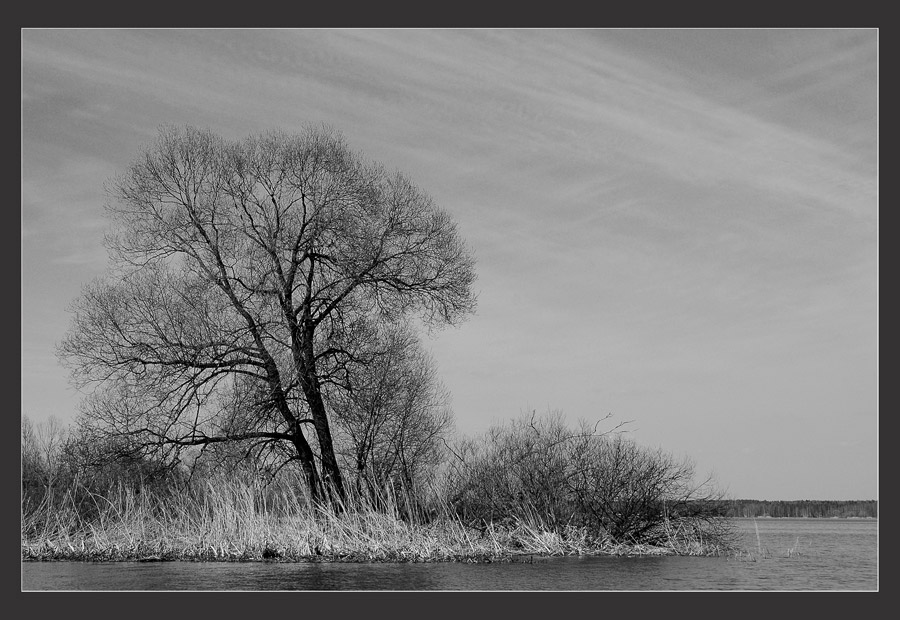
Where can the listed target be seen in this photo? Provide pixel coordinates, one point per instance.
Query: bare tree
(237, 269)
(42, 451)
(394, 415)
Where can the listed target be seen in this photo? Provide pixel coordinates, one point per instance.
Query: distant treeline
(800, 508)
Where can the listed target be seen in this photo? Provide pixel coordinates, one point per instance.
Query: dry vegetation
(239, 516)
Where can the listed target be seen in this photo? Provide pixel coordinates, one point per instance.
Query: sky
(675, 227)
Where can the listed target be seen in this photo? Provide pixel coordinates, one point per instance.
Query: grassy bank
(235, 520)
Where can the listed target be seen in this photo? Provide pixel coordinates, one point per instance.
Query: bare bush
(540, 470)
(64, 470)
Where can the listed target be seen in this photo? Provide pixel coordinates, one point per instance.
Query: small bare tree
(42, 453)
(394, 415)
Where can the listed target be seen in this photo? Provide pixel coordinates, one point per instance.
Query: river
(782, 554)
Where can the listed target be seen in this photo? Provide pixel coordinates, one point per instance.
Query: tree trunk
(304, 360)
(308, 462)
(331, 473)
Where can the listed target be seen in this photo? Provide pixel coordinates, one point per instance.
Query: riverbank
(147, 552)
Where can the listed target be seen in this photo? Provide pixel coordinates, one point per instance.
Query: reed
(234, 519)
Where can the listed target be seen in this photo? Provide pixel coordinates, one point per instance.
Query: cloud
(664, 220)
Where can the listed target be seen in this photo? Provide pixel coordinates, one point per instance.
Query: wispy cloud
(663, 219)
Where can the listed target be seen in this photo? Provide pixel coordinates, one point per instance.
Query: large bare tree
(240, 272)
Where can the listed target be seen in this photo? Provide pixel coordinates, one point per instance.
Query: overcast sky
(677, 227)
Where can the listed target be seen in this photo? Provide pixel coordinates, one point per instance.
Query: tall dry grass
(242, 519)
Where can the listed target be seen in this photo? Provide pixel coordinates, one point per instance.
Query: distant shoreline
(803, 509)
(847, 518)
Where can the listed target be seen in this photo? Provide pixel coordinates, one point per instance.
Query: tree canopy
(246, 279)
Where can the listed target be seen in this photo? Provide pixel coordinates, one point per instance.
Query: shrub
(64, 471)
(538, 470)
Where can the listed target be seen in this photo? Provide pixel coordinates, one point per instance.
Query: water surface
(787, 554)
